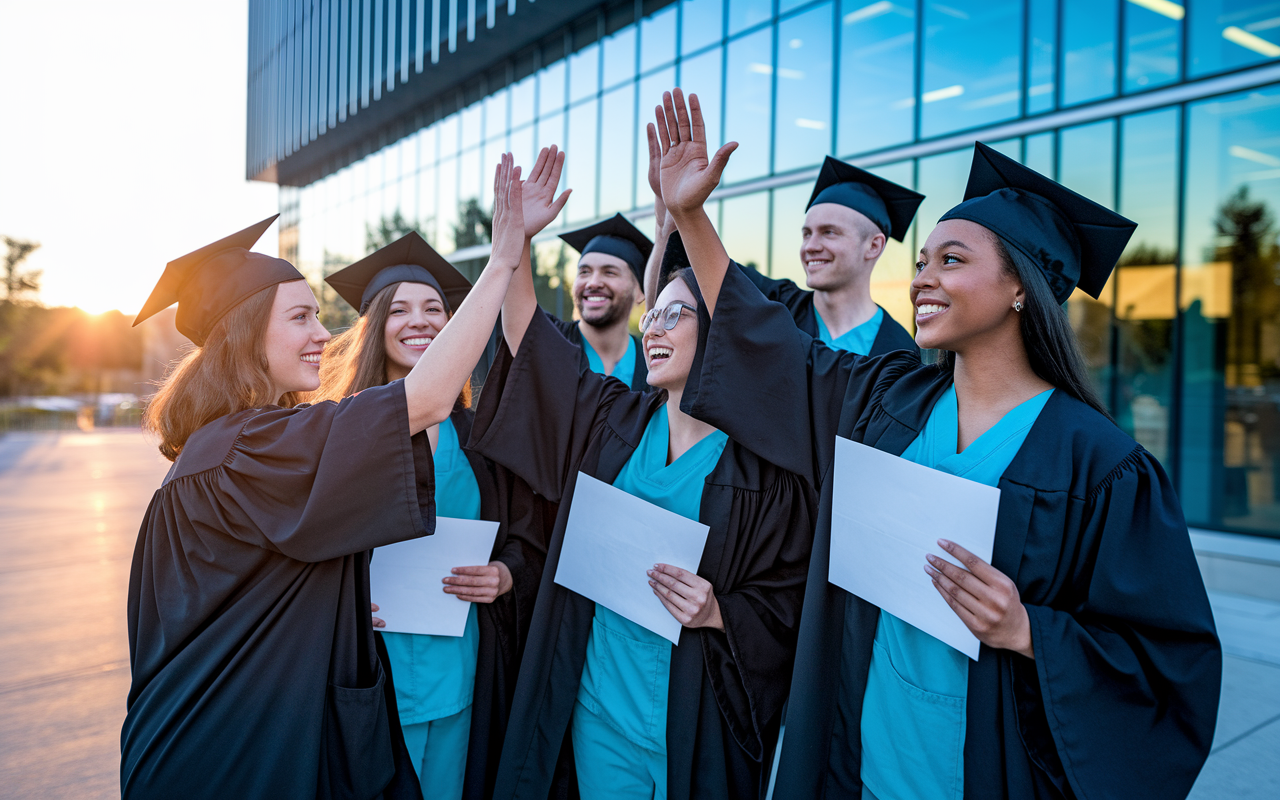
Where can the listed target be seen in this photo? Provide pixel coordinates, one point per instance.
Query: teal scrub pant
(438, 748)
(612, 767)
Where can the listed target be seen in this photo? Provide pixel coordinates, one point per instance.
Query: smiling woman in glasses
(600, 700)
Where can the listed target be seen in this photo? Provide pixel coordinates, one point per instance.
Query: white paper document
(886, 514)
(405, 578)
(611, 542)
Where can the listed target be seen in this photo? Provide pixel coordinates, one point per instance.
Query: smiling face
(294, 339)
(838, 246)
(962, 292)
(416, 316)
(605, 290)
(669, 353)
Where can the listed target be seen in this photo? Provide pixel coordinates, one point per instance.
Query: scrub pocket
(912, 738)
(356, 744)
(625, 679)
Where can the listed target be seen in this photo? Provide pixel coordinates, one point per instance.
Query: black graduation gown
(572, 332)
(1121, 699)
(250, 639)
(799, 302)
(545, 416)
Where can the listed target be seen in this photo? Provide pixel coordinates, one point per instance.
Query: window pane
(449, 136)
(522, 95)
(745, 14)
(1087, 166)
(891, 278)
(469, 175)
(1230, 459)
(581, 166)
(701, 75)
(1039, 153)
(1089, 50)
(618, 149)
(877, 74)
(1042, 53)
(788, 219)
(745, 228)
(551, 89)
(495, 114)
(803, 120)
(701, 23)
(620, 56)
(550, 130)
(979, 81)
(522, 148)
(942, 182)
(584, 73)
(1153, 45)
(749, 104)
(1227, 34)
(427, 207)
(447, 204)
(658, 39)
(651, 89)
(1146, 279)
(471, 118)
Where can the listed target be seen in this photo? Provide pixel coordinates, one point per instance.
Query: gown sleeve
(773, 388)
(540, 409)
(779, 290)
(327, 480)
(1127, 668)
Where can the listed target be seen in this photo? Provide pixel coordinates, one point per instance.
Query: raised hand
(984, 598)
(655, 169)
(541, 205)
(508, 214)
(686, 175)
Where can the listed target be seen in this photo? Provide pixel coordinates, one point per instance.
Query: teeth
(659, 352)
(312, 358)
(815, 263)
(417, 341)
(928, 309)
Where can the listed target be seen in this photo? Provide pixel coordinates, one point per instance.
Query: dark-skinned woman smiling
(1099, 670)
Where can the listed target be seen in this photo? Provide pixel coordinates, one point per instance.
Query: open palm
(686, 174)
(541, 205)
(508, 213)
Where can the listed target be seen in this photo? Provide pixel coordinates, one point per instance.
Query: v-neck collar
(942, 432)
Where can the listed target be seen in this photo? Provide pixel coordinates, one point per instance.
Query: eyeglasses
(669, 315)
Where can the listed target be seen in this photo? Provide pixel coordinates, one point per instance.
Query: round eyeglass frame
(670, 315)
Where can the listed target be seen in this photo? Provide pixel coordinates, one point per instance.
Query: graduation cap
(889, 206)
(408, 259)
(616, 237)
(1073, 240)
(211, 281)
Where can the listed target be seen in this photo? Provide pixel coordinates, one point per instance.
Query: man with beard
(605, 290)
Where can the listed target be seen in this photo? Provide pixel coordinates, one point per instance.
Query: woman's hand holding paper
(984, 599)
(479, 584)
(688, 597)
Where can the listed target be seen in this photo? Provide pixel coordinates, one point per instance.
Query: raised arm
(663, 226)
(540, 206)
(688, 177)
(436, 380)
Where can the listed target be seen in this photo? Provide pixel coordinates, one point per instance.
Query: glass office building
(1168, 112)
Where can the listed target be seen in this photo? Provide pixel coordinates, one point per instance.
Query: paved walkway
(70, 506)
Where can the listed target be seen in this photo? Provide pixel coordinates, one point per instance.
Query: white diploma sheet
(406, 578)
(886, 514)
(611, 542)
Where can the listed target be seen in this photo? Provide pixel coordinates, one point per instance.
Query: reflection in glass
(469, 175)
(658, 39)
(1086, 165)
(495, 114)
(877, 74)
(1228, 34)
(448, 136)
(1230, 436)
(581, 165)
(618, 131)
(700, 24)
(447, 204)
(891, 278)
(427, 206)
(749, 104)
(550, 130)
(522, 96)
(1038, 153)
(1153, 44)
(551, 89)
(1042, 54)
(700, 75)
(471, 118)
(522, 148)
(788, 219)
(972, 64)
(650, 96)
(744, 236)
(942, 180)
(620, 56)
(803, 119)
(584, 73)
(1088, 50)
(745, 14)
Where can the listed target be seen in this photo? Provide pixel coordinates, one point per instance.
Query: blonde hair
(356, 359)
(228, 374)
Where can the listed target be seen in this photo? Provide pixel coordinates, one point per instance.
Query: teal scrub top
(624, 370)
(435, 676)
(913, 709)
(628, 668)
(858, 339)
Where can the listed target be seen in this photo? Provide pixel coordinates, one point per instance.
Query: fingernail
(944, 543)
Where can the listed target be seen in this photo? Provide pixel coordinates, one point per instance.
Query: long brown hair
(356, 359)
(228, 374)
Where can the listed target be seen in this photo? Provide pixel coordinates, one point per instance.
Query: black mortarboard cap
(408, 259)
(890, 206)
(1074, 241)
(211, 281)
(616, 237)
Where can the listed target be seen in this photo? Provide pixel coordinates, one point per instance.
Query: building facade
(374, 115)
